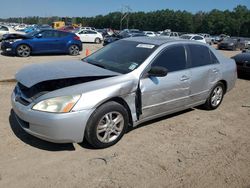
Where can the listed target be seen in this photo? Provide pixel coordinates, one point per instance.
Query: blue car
(41, 42)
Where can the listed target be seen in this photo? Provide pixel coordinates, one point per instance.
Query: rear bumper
(57, 128)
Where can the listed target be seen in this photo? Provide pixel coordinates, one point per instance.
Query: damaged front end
(26, 95)
(37, 80)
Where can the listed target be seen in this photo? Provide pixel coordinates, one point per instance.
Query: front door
(48, 42)
(160, 95)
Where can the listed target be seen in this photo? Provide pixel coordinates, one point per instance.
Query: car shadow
(36, 55)
(6, 54)
(33, 141)
(159, 119)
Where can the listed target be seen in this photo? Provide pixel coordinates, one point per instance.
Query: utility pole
(125, 15)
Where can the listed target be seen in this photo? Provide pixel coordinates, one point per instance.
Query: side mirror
(158, 71)
(39, 35)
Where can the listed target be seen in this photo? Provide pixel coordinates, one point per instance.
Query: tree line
(234, 23)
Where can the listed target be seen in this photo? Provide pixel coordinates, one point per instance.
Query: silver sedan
(123, 84)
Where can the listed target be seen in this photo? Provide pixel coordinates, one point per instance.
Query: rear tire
(23, 50)
(107, 125)
(74, 50)
(216, 96)
(98, 41)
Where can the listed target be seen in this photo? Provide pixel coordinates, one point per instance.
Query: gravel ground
(193, 148)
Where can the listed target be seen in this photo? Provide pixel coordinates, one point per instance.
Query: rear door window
(199, 55)
(173, 58)
(197, 38)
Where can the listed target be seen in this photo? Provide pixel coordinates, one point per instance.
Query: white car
(8, 30)
(90, 36)
(88, 28)
(150, 33)
(170, 34)
(20, 27)
(194, 37)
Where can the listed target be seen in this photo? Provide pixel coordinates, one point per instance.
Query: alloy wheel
(217, 96)
(23, 51)
(110, 127)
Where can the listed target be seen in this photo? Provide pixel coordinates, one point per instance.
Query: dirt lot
(194, 148)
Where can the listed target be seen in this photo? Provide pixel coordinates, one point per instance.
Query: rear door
(164, 94)
(91, 36)
(205, 72)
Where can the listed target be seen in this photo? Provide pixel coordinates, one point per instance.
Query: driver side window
(173, 59)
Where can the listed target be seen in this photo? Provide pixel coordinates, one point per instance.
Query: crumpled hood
(37, 73)
(15, 36)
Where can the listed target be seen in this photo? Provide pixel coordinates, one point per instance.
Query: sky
(82, 8)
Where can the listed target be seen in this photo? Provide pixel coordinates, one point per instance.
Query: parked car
(36, 28)
(169, 34)
(88, 28)
(243, 62)
(104, 32)
(123, 84)
(207, 38)
(220, 38)
(229, 43)
(193, 37)
(20, 27)
(150, 33)
(123, 34)
(90, 36)
(44, 41)
(69, 28)
(8, 30)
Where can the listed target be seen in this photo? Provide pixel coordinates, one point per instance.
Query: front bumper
(57, 128)
(226, 47)
(7, 48)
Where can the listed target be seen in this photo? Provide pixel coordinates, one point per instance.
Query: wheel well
(124, 104)
(225, 84)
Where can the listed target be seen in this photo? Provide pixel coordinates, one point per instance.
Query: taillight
(76, 38)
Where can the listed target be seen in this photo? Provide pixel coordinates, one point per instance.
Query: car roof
(152, 40)
(161, 40)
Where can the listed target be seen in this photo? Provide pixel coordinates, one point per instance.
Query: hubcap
(74, 50)
(110, 127)
(97, 41)
(23, 51)
(217, 96)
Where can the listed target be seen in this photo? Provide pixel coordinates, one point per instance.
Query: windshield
(165, 34)
(186, 37)
(121, 56)
(33, 33)
(76, 30)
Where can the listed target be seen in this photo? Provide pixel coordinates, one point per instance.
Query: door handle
(215, 70)
(184, 78)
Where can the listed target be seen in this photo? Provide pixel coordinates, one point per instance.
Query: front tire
(74, 50)
(216, 96)
(23, 50)
(107, 125)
